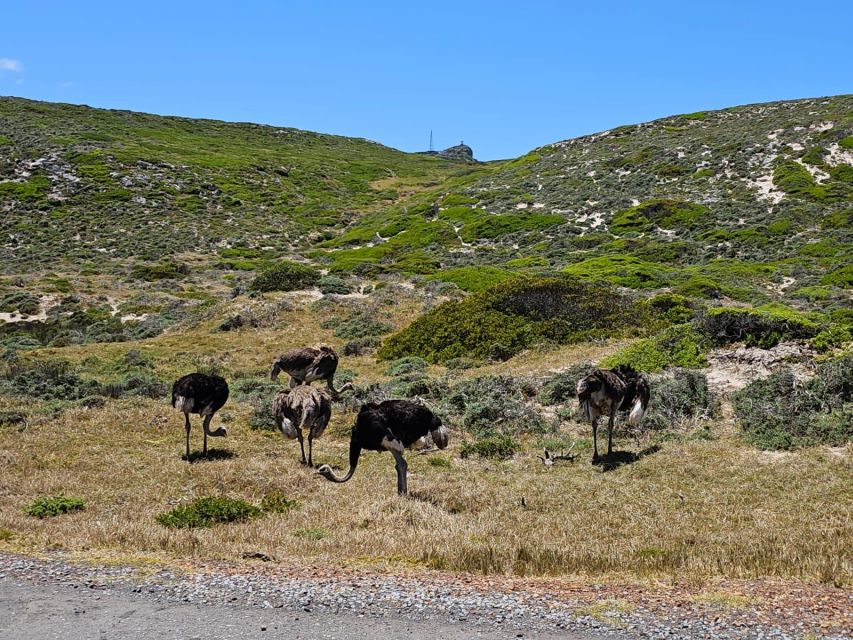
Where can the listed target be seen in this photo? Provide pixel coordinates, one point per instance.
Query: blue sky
(504, 76)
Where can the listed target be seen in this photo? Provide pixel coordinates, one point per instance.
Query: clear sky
(504, 76)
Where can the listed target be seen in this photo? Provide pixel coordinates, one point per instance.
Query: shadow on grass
(621, 458)
(212, 455)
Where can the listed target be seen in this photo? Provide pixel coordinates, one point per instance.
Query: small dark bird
(306, 364)
(392, 425)
(203, 395)
(300, 407)
(607, 391)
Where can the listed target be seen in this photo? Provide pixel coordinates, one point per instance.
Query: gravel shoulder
(53, 598)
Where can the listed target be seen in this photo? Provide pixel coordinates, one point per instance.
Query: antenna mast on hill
(430, 140)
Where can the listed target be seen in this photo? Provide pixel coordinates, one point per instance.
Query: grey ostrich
(300, 408)
(604, 392)
(203, 395)
(393, 425)
(306, 364)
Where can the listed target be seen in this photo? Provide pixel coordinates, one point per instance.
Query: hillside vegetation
(710, 250)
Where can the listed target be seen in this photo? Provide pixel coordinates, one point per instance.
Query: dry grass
(692, 510)
(700, 509)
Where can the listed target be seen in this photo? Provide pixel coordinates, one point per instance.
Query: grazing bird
(299, 408)
(606, 391)
(203, 395)
(392, 425)
(306, 364)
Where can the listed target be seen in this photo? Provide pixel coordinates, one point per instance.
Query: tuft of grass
(310, 533)
(278, 502)
(49, 506)
(207, 512)
(494, 447)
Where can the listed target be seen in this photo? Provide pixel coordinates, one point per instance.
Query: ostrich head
(275, 370)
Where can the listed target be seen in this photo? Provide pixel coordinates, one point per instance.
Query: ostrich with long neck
(605, 392)
(306, 364)
(393, 425)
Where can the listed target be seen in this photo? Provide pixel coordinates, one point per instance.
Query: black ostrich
(393, 425)
(303, 407)
(306, 364)
(203, 395)
(607, 391)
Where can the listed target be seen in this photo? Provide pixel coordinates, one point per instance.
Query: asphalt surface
(43, 611)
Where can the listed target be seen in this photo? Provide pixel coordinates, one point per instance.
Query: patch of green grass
(207, 512)
(474, 279)
(49, 506)
(457, 199)
(696, 115)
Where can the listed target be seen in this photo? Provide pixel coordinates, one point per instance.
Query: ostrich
(303, 407)
(203, 395)
(306, 364)
(606, 391)
(392, 425)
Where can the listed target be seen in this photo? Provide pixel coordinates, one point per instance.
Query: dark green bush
(161, 271)
(763, 327)
(513, 316)
(562, 387)
(285, 276)
(333, 284)
(48, 506)
(49, 380)
(207, 512)
(360, 325)
(495, 447)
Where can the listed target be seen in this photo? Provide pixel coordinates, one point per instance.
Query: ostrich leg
(206, 427)
(301, 445)
(187, 416)
(595, 439)
(310, 449)
(614, 408)
(402, 467)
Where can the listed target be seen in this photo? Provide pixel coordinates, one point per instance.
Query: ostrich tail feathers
(637, 412)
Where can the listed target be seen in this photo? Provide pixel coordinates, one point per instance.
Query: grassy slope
(91, 185)
(695, 508)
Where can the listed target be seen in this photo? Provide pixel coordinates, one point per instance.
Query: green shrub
(162, 271)
(489, 405)
(333, 285)
(285, 276)
(494, 447)
(831, 338)
(20, 301)
(841, 277)
(457, 199)
(515, 314)
(780, 412)
(833, 383)
(48, 380)
(664, 213)
(675, 308)
(207, 512)
(684, 397)
(278, 502)
(49, 506)
(763, 327)
(623, 270)
(676, 346)
(404, 366)
(360, 325)
(562, 387)
(474, 279)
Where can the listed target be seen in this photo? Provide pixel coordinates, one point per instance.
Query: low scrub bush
(491, 405)
(207, 512)
(49, 506)
(285, 276)
(669, 214)
(684, 398)
(495, 447)
(562, 387)
(48, 380)
(333, 285)
(782, 412)
(512, 316)
(360, 325)
(160, 271)
(763, 327)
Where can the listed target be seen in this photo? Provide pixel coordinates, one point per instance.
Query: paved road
(42, 611)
